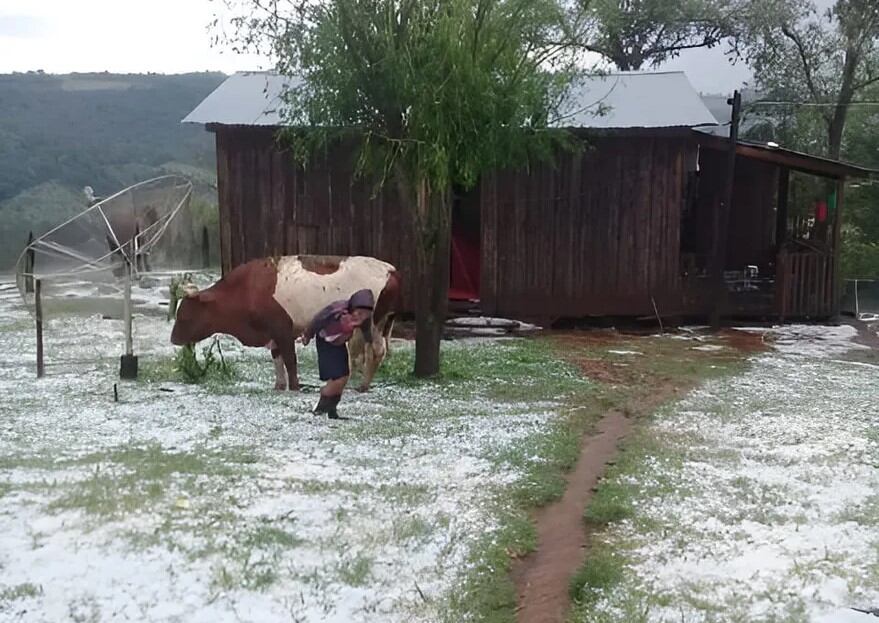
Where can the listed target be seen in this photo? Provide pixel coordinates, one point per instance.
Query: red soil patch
(744, 341)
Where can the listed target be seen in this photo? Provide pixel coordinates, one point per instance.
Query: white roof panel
(243, 99)
(634, 100)
(613, 101)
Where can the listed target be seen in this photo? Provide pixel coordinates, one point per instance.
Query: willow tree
(438, 92)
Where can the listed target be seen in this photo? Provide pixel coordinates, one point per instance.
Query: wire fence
(861, 299)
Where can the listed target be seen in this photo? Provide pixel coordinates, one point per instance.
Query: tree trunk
(835, 130)
(431, 227)
(836, 121)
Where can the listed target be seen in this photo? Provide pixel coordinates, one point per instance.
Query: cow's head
(195, 316)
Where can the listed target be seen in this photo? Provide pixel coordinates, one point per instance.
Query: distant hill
(59, 133)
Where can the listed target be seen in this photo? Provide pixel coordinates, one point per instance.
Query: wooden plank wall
(595, 233)
(271, 206)
(806, 286)
(598, 233)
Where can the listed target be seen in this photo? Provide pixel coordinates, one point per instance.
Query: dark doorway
(466, 252)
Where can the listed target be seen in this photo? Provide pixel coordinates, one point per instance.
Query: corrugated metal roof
(624, 100)
(243, 99)
(635, 100)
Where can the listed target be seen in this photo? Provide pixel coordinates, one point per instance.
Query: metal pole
(128, 361)
(126, 310)
(722, 220)
(38, 301)
(29, 265)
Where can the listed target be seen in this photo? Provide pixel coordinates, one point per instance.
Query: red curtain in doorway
(464, 280)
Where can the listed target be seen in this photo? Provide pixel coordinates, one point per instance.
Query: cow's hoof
(363, 389)
(294, 388)
(279, 387)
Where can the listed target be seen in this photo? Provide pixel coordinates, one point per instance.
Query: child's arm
(319, 322)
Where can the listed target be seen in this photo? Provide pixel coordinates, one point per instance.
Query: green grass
(396, 493)
(526, 369)
(250, 559)
(19, 591)
(488, 593)
(866, 513)
(410, 529)
(612, 502)
(537, 371)
(136, 478)
(615, 497)
(209, 368)
(267, 536)
(544, 458)
(133, 479)
(642, 469)
(602, 571)
(355, 571)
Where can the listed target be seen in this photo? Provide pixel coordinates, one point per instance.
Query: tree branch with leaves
(822, 58)
(435, 92)
(633, 34)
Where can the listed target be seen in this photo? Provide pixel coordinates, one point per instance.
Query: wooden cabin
(625, 226)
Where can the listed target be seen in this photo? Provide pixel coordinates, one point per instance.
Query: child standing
(331, 328)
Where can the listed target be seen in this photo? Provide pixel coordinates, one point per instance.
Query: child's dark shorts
(332, 360)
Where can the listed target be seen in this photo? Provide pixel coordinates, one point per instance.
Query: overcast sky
(171, 36)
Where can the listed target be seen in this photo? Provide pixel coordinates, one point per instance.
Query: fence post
(29, 265)
(128, 361)
(38, 301)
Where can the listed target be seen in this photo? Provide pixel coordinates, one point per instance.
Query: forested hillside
(59, 133)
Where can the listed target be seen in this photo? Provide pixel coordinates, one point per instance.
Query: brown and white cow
(270, 302)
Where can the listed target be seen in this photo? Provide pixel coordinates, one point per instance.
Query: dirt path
(542, 578)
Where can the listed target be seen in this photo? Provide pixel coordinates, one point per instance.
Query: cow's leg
(279, 328)
(278, 361)
(356, 346)
(287, 348)
(373, 355)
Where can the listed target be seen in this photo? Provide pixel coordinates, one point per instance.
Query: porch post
(721, 223)
(781, 209)
(836, 280)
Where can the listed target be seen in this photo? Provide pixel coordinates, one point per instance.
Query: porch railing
(804, 285)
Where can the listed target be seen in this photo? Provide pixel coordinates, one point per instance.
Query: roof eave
(797, 161)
